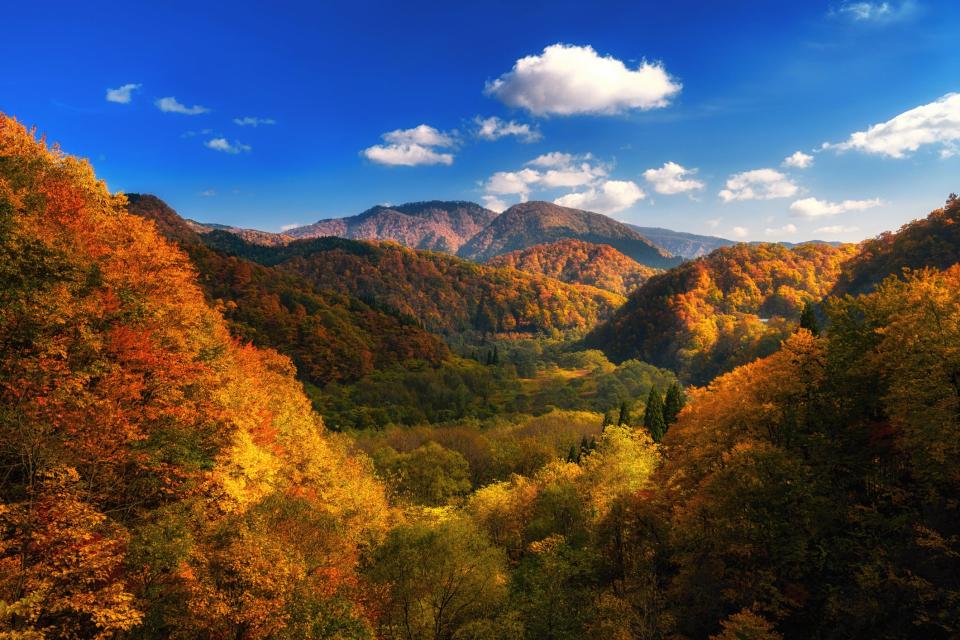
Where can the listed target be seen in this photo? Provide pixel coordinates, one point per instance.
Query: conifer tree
(607, 419)
(624, 414)
(673, 404)
(808, 319)
(653, 415)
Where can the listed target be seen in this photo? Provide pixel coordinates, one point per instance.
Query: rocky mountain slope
(435, 225)
(532, 223)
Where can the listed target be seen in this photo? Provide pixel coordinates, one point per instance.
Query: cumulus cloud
(250, 121)
(423, 135)
(412, 147)
(797, 160)
(672, 178)
(740, 232)
(493, 128)
(713, 223)
(519, 183)
(568, 80)
(407, 155)
(555, 159)
(609, 196)
(170, 105)
(759, 184)
(224, 145)
(785, 230)
(557, 170)
(937, 122)
(816, 208)
(837, 228)
(292, 225)
(122, 95)
(208, 193)
(494, 203)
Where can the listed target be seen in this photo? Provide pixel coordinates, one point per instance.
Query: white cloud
(412, 147)
(759, 184)
(713, 223)
(785, 230)
(493, 128)
(423, 135)
(608, 197)
(563, 170)
(798, 160)
(122, 95)
(554, 159)
(250, 121)
(494, 203)
(815, 208)
(573, 175)
(672, 178)
(208, 193)
(879, 12)
(935, 123)
(407, 155)
(170, 105)
(512, 182)
(837, 228)
(224, 145)
(292, 225)
(568, 80)
(740, 232)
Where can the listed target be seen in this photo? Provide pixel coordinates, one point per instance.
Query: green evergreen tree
(607, 419)
(573, 455)
(496, 355)
(624, 414)
(673, 404)
(653, 415)
(808, 319)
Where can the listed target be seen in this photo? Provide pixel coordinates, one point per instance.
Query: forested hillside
(165, 476)
(532, 223)
(711, 314)
(330, 336)
(933, 241)
(579, 262)
(442, 293)
(160, 479)
(435, 225)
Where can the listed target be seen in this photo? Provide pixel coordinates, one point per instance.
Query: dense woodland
(722, 310)
(598, 265)
(202, 437)
(442, 293)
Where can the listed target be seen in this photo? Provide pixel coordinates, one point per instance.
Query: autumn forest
(430, 421)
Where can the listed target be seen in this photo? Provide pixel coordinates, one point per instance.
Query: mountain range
(434, 225)
(679, 243)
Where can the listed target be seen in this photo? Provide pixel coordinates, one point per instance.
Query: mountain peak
(433, 224)
(537, 222)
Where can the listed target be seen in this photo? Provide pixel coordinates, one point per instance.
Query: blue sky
(675, 114)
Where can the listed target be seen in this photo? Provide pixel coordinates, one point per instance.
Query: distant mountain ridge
(680, 243)
(441, 293)
(721, 310)
(330, 336)
(435, 225)
(933, 241)
(536, 222)
(579, 262)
